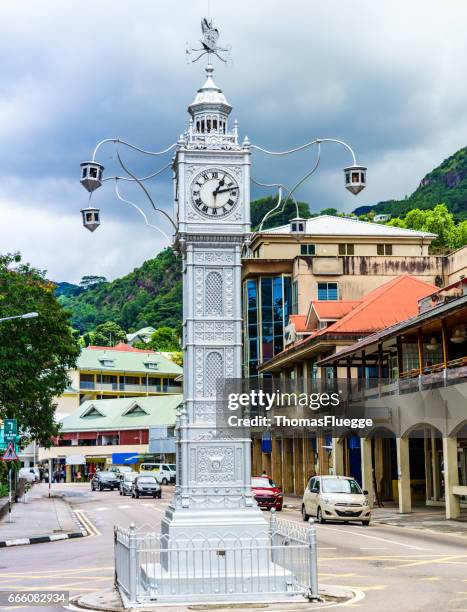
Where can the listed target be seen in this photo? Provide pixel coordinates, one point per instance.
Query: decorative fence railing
(149, 567)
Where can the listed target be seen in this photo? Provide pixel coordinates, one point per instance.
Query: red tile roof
(333, 309)
(386, 305)
(120, 347)
(299, 321)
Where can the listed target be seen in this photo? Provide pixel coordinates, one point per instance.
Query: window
(107, 363)
(328, 291)
(295, 297)
(346, 249)
(151, 365)
(384, 249)
(307, 249)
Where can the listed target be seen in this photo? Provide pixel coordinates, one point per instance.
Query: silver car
(126, 482)
(335, 498)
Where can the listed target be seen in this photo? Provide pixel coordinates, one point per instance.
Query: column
(287, 465)
(256, 459)
(367, 468)
(403, 472)
(323, 462)
(276, 461)
(308, 458)
(435, 467)
(451, 477)
(338, 456)
(299, 486)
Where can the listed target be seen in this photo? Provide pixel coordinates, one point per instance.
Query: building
(118, 372)
(331, 326)
(334, 259)
(418, 450)
(113, 431)
(142, 335)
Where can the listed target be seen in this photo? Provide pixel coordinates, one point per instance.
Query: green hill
(151, 295)
(446, 184)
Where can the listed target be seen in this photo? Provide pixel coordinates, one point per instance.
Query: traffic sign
(10, 454)
(10, 430)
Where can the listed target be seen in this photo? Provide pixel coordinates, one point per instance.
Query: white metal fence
(151, 568)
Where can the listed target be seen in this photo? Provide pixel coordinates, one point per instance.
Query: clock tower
(212, 496)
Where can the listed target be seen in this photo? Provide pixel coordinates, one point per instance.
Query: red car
(266, 492)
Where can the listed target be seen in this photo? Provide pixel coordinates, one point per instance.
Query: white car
(30, 474)
(335, 498)
(162, 472)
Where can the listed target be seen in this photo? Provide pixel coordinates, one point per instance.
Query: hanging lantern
(91, 175)
(459, 336)
(433, 345)
(298, 226)
(355, 178)
(91, 218)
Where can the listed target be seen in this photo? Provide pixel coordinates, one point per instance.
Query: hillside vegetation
(446, 184)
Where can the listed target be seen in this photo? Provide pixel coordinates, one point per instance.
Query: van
(163, 472)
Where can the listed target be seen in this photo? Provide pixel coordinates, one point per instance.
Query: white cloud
(386, 77)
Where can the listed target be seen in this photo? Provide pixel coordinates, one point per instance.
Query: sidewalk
(40, 518)
(421, 517)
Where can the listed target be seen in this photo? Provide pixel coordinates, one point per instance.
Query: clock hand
(226, 189)
(221, 183)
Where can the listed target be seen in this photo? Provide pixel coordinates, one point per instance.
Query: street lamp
(28, 315)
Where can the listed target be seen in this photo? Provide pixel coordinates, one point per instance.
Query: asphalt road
(396, 568)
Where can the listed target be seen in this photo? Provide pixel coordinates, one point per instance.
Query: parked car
(145, 485)
(335, 498)
(28, 474)
(120, 470)
(267, 494)
(162, 472)
(104, 480)
(126, 482)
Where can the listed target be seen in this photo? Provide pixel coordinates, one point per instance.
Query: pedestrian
(78, 476)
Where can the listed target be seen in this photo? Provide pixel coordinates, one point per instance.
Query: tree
(329, 211)
(437, 220)
(260, 207)
(108, 334)
(91, 281)
(35, 354)
(164, 339)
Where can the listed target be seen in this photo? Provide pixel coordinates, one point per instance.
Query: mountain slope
(151, 295)
(446, 184)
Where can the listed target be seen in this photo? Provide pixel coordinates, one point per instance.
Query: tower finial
(209, 46)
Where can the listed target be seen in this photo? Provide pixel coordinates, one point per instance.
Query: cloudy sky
(389, 78)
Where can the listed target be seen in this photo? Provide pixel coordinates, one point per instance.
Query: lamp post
(211, 222)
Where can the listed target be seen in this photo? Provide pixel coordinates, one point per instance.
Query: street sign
(10, 430)
(10, 454)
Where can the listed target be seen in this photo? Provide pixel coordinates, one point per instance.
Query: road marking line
(61, 571)
(100, 509)
(89, 525)
(124, 507)
(327, 548)
(364, 535)
(373, 548)
(429, 561)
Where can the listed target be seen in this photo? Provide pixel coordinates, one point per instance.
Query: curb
(41, 539)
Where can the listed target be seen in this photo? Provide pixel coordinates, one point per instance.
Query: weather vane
(210, 36)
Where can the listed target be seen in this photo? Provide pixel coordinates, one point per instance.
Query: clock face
(214, 192)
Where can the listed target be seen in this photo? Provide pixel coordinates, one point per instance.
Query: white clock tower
(212, 208)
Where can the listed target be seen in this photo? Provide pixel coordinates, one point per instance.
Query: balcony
(129, 388)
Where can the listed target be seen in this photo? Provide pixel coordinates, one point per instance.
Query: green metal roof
(123, 413)
(126, 361)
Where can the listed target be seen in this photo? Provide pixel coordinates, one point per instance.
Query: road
(395, 567)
